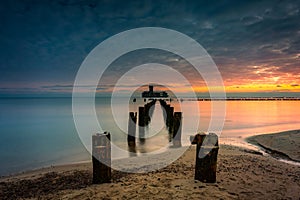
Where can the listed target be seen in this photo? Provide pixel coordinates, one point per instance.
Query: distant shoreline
(253, 99)
(183, 99)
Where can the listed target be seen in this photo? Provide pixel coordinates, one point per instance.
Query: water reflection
(154, 118)
(243, 119)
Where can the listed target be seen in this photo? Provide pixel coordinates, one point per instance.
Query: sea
(41, 132)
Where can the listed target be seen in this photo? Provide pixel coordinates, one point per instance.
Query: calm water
(40, 132)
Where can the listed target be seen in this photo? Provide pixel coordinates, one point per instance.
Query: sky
(255, 44)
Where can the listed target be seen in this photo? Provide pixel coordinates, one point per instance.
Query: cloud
(56, 86)
(47, 41)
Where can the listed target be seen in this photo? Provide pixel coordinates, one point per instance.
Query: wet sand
(284, 145)
(241, 174)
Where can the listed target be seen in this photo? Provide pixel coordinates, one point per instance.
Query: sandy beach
(241, 174)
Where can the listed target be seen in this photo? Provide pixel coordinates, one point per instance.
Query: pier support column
(152, 107)
(177, 129)
(101, 158)
(170, 120)
(171, 115)
(164, 106)
(131, 129)
(146, 114)
(206, 157)
(141, 124)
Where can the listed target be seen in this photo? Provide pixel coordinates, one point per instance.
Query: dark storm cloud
(46, 41)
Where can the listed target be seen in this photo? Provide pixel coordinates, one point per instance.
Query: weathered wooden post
(206, 157)
(101, 158)
(141, 124)
(170, 118)
(167, 109)
(146, 114)
(141, 116)
(163, 105)
(131, 128)
(152, 103)
(148, 111)
(168, 112)
(177, 128)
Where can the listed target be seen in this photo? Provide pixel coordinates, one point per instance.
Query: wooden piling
(169, 113)
(206, 157)
(141, 116)
(150, 112)
(146, 114)
(131, 128)
(101, 158)
(165, 112)
(141, 123)
(170, 117)
(177, 129)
